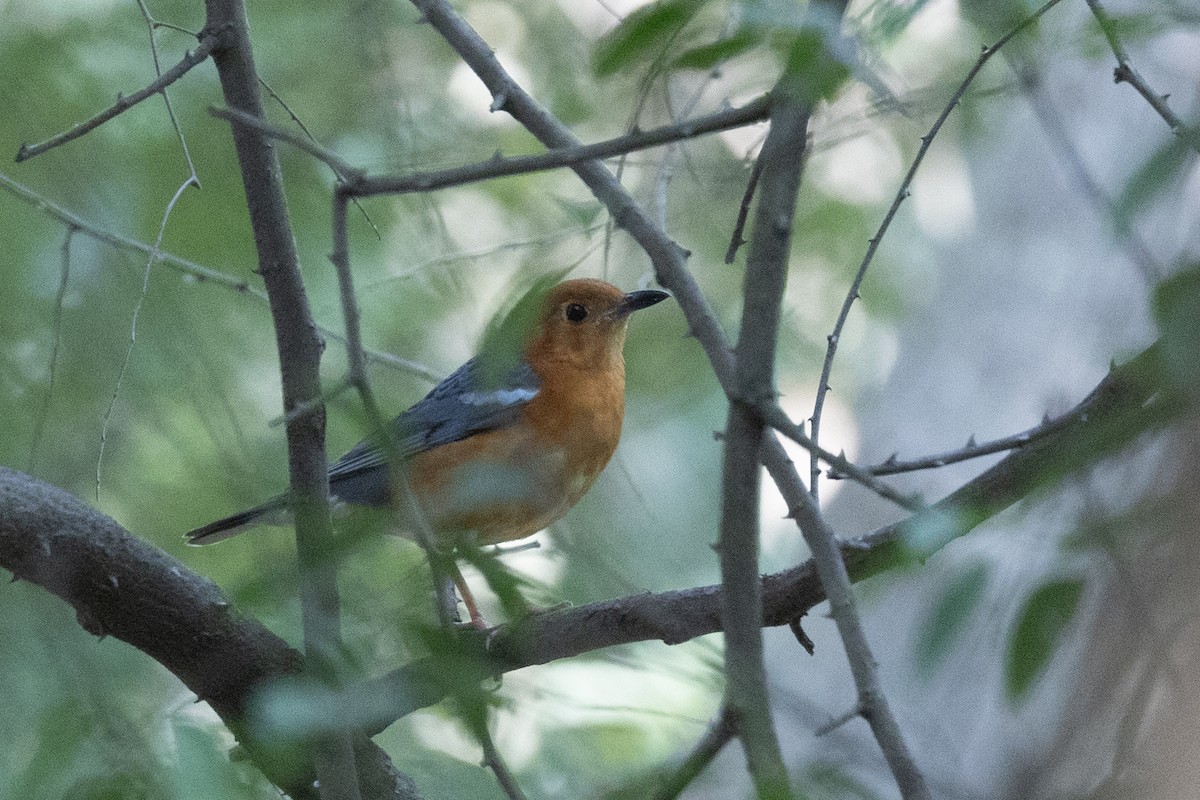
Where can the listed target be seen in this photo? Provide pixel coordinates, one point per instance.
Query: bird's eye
(576, 312)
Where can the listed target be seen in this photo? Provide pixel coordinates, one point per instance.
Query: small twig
(495, 762)
(152, 25)
(1044, 108)
(754, 111)
(191, 269)
(137, 310)
(357, 377)
(300, 124)
(56, 326)
(309, 406)
(737, 240)
(1125, 73)
(719, 734)
(873, 244)
(778, 419)
(308, 145)
(125, 102)
(838, 721)
(893, 466)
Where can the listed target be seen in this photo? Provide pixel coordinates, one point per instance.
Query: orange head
(583, 324)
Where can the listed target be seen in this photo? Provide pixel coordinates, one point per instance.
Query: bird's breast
(511, 482)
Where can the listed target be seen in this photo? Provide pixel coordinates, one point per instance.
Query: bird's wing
(463, 404)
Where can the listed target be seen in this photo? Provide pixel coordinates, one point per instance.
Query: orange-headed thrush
(499, 455)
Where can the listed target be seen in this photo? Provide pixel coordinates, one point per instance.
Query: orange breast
(512, 482)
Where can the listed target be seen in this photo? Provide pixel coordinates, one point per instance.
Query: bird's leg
(468, 599)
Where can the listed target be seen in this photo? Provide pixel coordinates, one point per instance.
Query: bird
(506, 444)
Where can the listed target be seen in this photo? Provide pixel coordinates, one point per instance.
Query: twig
(443, 589)
(151, 25)
(778, 419)
(1043, 107)
(124, 102)
(838, 721)
(1131, 400)
(561, 156)
(893, 466)
(719, 734)
(835, 578)
(190, 268)
(495, 762)
(56, 326)
(1125, 73)
(873, 244)
(300, 124)
(736, 240)
(133, 325)
(335, 162)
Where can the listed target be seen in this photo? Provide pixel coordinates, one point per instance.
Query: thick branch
(122, 587)
(50, 538)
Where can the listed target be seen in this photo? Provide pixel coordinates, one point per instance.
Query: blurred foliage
(187, 436)
(1039, 632)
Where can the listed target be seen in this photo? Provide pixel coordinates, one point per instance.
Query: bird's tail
(267, 513)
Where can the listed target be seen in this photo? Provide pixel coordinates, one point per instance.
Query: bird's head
(584, 321)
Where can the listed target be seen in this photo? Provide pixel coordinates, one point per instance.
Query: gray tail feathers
(222, 529)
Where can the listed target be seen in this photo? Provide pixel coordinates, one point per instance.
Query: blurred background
(1049, 211)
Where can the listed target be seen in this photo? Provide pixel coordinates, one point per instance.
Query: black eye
(576, 312)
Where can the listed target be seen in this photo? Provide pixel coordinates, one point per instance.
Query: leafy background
(1001, 294)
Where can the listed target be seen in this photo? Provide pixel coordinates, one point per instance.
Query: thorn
(1046, 418)
(718, 436)
(892, 459)
(971, 443)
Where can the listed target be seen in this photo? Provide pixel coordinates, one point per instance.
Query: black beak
(635, 301)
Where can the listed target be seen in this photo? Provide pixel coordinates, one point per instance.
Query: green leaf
(1038, 634)
(948, 617)
(1159, 172)
(1177, 308)
(709, 55)
(644, 31)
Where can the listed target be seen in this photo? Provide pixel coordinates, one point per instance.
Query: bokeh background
(1049, 210)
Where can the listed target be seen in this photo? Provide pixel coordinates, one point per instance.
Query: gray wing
(460, 406)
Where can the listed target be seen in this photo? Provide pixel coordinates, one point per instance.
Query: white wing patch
(502, 397)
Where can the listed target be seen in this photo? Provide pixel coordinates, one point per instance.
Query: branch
(191, 268)
(182, 620)
(893, 466)
(122, 587)
(708, 748)
(1130, 401)
(746, 696)
(299, 347)
(873, 244)
(1125, 73)
(125, 102)
(561, 156)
